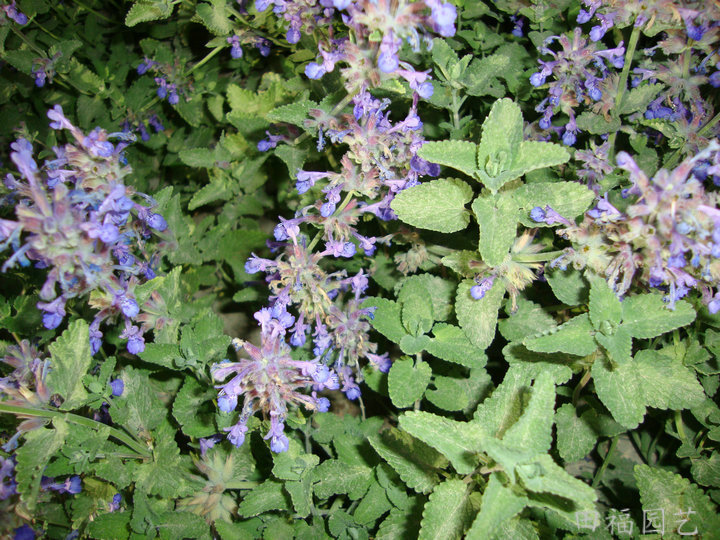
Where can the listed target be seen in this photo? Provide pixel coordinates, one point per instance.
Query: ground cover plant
(358, 269)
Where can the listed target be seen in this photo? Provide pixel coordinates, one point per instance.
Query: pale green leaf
(573, 337)
(148, 10)
(478, 318)
(543, 475)
(647, 315)
(266, 497)
(502, 133)
(416, 307)
(557, 365)
(606, 311)
(447, 513)
(373, 505)
(460, 155)
(407, 381)
(295, 113)
(438, 205)
(533, 155)
(441, 292)
(666, 383)
(569, 286)
(448, 394)
(110, 526)
(618, 344)
(414, 344)
(460, 442)
(597, 124)
(505, 405)
(214, 17)
(497, 217)
(529, 319)
(71, 359)
(569, 199)
(533, 431)
(637, 99)
(575, 436)
(387, 319)
(619, 391)
(450, 343)
(333, 477)
(499, 504)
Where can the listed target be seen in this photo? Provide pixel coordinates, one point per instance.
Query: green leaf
(407, 381)
(497, 217)
(148, 10)
(605, 307)
(194, 410)
(413, 345)
(460, 155)
(162, 354)
(573, 337)
(647, 315)
(295, 113)
(499, 504)
(387, 318)
(481, 74)
(597, 124)
(534, 363)
(675, 496)
(637, 99)
(447, 512)
(450, 343)
(534, 155)
(458, 441)
(618, 344)
(198, 157)
(222, 187)
(293, 464)
(569, 286)
(533, 431)
(416, 307)
(71, 360)
(110, 526)
(618, 389)
(529, 319)
(373, 505)
(543, 475)
(502, 133)
(653, 371)
(164, 474)
(569, 199)
(448, 395)
(441, 292)
(300, 492)
(438, 205)
(266, 497)
(416, 463)
(32, 457)
(575, 436)
(333, 477)
(175, 524)
(214, 17)
(478, 318)
(400, 523)
(505, 406)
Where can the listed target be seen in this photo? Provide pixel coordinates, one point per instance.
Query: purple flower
(227, 403)
(24, 533)
(114, 506)
(236, 434)
(157, 222)
(129, 307)
(314, 70)
(323, 404)
(478, 291)
(118, 387)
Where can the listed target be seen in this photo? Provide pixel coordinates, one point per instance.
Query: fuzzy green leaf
(460, 155)
(194, 410)
(174, 525)
(637, 99)
(148, 10)
(529, 319)
(647, 315)
(447, 512)
(416, 307)
(440, 291)
(573, 337)
(604, 305)
(597, 124)
(373, 505)
(502, 133)
(533, 431)
(499, 504)
(266, 497)
(138, 409)
(448, 395)
(438, 205)
(295, 113)
(110, 526)
(387, 319)
(543, 475)
(71, 360)
(214, 17)
(569, 286)
(407, 381)
(575, 436)
(497, 217)
(618, 344)
(450, 343)
(478, 318)
(164, 474)
(334, 477)
(458, 441)
(569, 199)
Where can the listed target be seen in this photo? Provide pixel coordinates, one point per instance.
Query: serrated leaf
(597, 124)
(222, 187)
(448, 394)
(31, 458)
(164, 474)
(266, 497)
(193, 409)
(198, 157)
(110, 526)
(373, 505)
(533, 431)
(482, 72)
(604, 305)
(295, 113)
(573, 337)
(450, 343)
(543, 475)
(334, 477)
(293, 464)
(497, 217)
(415, 462)
(438, 205)
(414, 344)
(458, 441)
(532, 155)
(386, 319)
(407, 381)
(575, 436)
(653, 373)
(148, 10)
(499, 504)
(162, 354)
(460, 155)
(647, 316)
(618, 344)
(502, 133)
(529, 319)
(440, 291)
(569, 286)
(557, 365)
(478, 318)
(71, 359)
(618, 389)
(447, 512)
(504, 407)
(637, 99)
(138, 409)
(675, 496)
(400, 523)
(214, 17)
(569, 199)
(300, 492)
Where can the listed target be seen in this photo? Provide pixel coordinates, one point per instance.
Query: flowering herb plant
(359, 269)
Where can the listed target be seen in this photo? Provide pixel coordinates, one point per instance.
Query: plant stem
(580, 385)
(143, 452)
(207, 58)
(340, 208)
(606, 461)
(537, 257)
(622, 84)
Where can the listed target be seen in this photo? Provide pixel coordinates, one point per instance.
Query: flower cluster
(171, 84)
(12, 12)
(270, 380)
(237, 40)
(580, 75)
(76, 217)
(142, 126)
(378, 30)
(667, 238)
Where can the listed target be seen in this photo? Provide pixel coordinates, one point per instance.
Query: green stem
(583, 382)
(241, 484)
(606, 461)
(342, 206)
(207, 58)
(680, 426)
(622, 84)
(143, 452)
(455, 110)
(537, 257)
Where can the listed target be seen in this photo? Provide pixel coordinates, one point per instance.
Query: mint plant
(359, 269)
